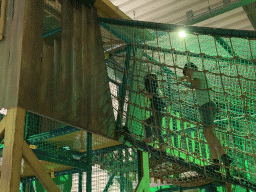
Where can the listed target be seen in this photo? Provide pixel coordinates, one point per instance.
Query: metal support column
(122, 89)
(23, 186)
(110, 182)
(80, 182)
(89, 163)
(122, 179)
(144, 180)
(140, 166)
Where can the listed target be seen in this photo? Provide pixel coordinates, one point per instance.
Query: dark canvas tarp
(69, 83)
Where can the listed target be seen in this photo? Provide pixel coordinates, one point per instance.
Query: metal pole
(110, 182)
(173, 27)
(122, 89)
(89, 163)
(122, 179)
(80, 182)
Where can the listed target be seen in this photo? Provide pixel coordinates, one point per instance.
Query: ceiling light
(182, 34)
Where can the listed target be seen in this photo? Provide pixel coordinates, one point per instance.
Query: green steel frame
(122, 88)
(173, 27)
(89, 163)
(109, 183)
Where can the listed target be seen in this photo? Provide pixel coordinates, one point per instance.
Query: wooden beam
(2, 127)
(38, 169)
(12, 152)
(2, 19)
(106, 9)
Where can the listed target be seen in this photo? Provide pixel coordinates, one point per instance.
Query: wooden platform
(77, 141)
(49, 167)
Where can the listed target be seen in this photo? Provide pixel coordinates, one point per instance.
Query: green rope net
(136, 49)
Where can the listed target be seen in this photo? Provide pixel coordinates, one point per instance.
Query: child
(157, 106)
(207, 110)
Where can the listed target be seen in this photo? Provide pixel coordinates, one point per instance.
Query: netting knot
(235, 57)
(202, 54)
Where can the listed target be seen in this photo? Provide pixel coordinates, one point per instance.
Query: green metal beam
(242, 61)
(144, 182)
(89, 163)
(122, 179)
(80, 182)
(104, 22)
(45, 156)
(225, 45)
(215, 12)
(110, 182)
(122, 88)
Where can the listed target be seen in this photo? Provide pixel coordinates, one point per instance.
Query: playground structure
(52, 88)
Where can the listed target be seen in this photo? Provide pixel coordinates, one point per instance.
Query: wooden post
(77, 59)
(2, 127)
(12, 153)
(38, 169)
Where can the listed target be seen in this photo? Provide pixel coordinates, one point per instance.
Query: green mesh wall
(62, 152)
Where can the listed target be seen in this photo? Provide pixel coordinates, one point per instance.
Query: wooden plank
(31, 63)
(47, 166)
(2, 127)
(47, 77)
(57, 54)
(2, 19)
(77, 59)
(12, 152)
(106, 9)
(64, 81)
(38, 169)
(77, 141)
(10, 54)
(100, 118)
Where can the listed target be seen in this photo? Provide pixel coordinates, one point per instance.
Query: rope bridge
(226, 59)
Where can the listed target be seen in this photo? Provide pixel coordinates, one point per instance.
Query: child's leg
(207, 113)
(213, 143)
(158, 126)
(148, 127)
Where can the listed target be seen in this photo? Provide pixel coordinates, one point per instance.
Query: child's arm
(147, 94)
(195, 83)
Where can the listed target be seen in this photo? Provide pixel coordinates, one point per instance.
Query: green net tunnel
(228, 63)
(133, 50)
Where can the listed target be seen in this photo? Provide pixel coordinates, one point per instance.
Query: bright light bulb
(182, 34)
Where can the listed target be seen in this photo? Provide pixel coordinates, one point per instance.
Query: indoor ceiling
(230, 14)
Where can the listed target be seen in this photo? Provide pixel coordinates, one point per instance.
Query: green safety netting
(227, 61)
(63, 182)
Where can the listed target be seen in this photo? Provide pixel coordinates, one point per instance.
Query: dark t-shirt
(157, 103)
